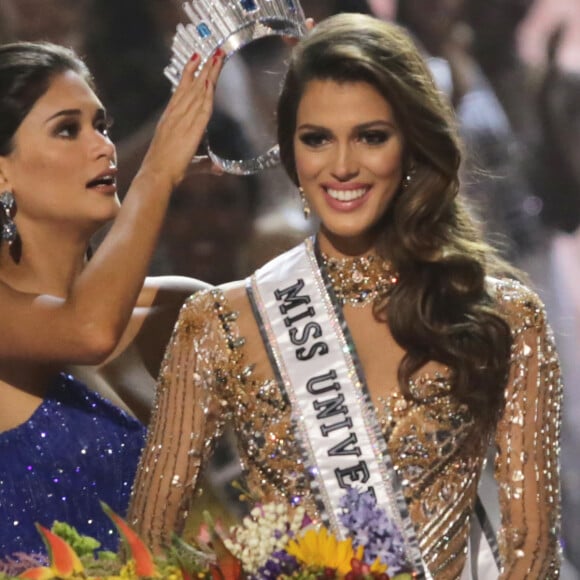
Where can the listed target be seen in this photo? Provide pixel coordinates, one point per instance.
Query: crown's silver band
(230, 25)
(247, 166)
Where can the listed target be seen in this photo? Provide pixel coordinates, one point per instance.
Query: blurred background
(511, 69)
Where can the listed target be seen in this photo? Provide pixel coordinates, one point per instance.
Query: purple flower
(369, 526)
(279, 563)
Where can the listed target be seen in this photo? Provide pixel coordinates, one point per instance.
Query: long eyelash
(309, 138)
(70, 126)
(375, 136)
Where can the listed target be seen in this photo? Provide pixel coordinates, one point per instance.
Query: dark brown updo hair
(26, 71)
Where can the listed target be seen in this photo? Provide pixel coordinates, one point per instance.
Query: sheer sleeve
(186, 420)
(527, 441)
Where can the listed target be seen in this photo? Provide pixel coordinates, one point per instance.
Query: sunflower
(321, 548)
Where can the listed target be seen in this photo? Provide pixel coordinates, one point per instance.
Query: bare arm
(85, 326)
(527, 464)
(128, 376)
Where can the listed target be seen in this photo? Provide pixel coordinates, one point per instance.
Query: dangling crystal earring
(305, 206)
(9, 231)
(408, 178)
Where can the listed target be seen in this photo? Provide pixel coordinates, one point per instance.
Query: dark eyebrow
(361, 127)
(312, 127)
(64, 113)
(372, 124)
(99, 114)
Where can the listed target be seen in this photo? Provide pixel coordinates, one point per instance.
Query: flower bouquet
(274, 542)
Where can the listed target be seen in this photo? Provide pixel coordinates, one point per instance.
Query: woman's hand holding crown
(182, 125)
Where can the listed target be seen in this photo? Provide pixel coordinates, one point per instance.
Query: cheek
(308, 164)
(386, 164)
(44, 170)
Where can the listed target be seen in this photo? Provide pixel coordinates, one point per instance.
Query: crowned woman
(384, 354)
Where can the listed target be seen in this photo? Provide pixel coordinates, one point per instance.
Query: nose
(102, 146)
(345, 164)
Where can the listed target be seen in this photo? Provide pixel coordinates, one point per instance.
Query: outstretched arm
(527, 463)
(128, 376)
(85, 326)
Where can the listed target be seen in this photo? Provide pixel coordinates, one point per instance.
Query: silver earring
(9, 231)
(7, 204)
(305, 206)
(408, 178)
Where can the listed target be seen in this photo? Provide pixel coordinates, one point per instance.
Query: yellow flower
(321, 548)
(378, 567)
(129, 571)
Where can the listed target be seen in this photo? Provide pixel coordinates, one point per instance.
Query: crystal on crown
(230, 25)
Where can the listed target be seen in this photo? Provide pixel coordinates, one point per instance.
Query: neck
(340, 247)
(51, 260)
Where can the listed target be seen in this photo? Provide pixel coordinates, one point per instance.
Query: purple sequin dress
(76, 449)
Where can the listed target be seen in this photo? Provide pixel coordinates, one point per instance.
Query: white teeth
(349, 195)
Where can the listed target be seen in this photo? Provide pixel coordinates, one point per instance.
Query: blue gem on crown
(203, 30)
(249, 5)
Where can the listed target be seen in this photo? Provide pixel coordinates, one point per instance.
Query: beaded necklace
(360, 281)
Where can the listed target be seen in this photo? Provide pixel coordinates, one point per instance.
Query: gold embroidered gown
(209, 379)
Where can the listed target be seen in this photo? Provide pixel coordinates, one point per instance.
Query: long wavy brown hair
(441, 310)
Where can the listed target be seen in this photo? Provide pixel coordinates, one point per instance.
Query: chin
(102, 218)
(107, 211)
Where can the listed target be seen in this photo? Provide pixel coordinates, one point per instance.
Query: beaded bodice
(76, 449)
(437, 447)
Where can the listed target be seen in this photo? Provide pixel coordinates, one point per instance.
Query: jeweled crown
(230, 25)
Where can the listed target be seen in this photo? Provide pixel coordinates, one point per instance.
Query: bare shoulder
(226, 306)
(236, 294)
(215, 301)
(520, 304)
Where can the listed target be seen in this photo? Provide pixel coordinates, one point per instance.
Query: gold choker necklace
(360, 281)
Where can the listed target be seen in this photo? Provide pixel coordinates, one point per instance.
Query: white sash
(333, 416)
(334, 419)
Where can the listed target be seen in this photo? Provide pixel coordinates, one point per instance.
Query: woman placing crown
(62, 447)
(388, 352)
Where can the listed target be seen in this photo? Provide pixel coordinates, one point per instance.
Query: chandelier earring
(9, 231)
(305, 206)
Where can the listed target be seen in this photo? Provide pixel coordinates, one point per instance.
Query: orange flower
(64, 562)
(144, 564)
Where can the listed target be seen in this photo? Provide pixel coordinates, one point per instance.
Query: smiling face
(62, 166)
(349, 153)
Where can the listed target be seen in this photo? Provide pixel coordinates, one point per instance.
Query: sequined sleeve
(527, 440)
(186, 420)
